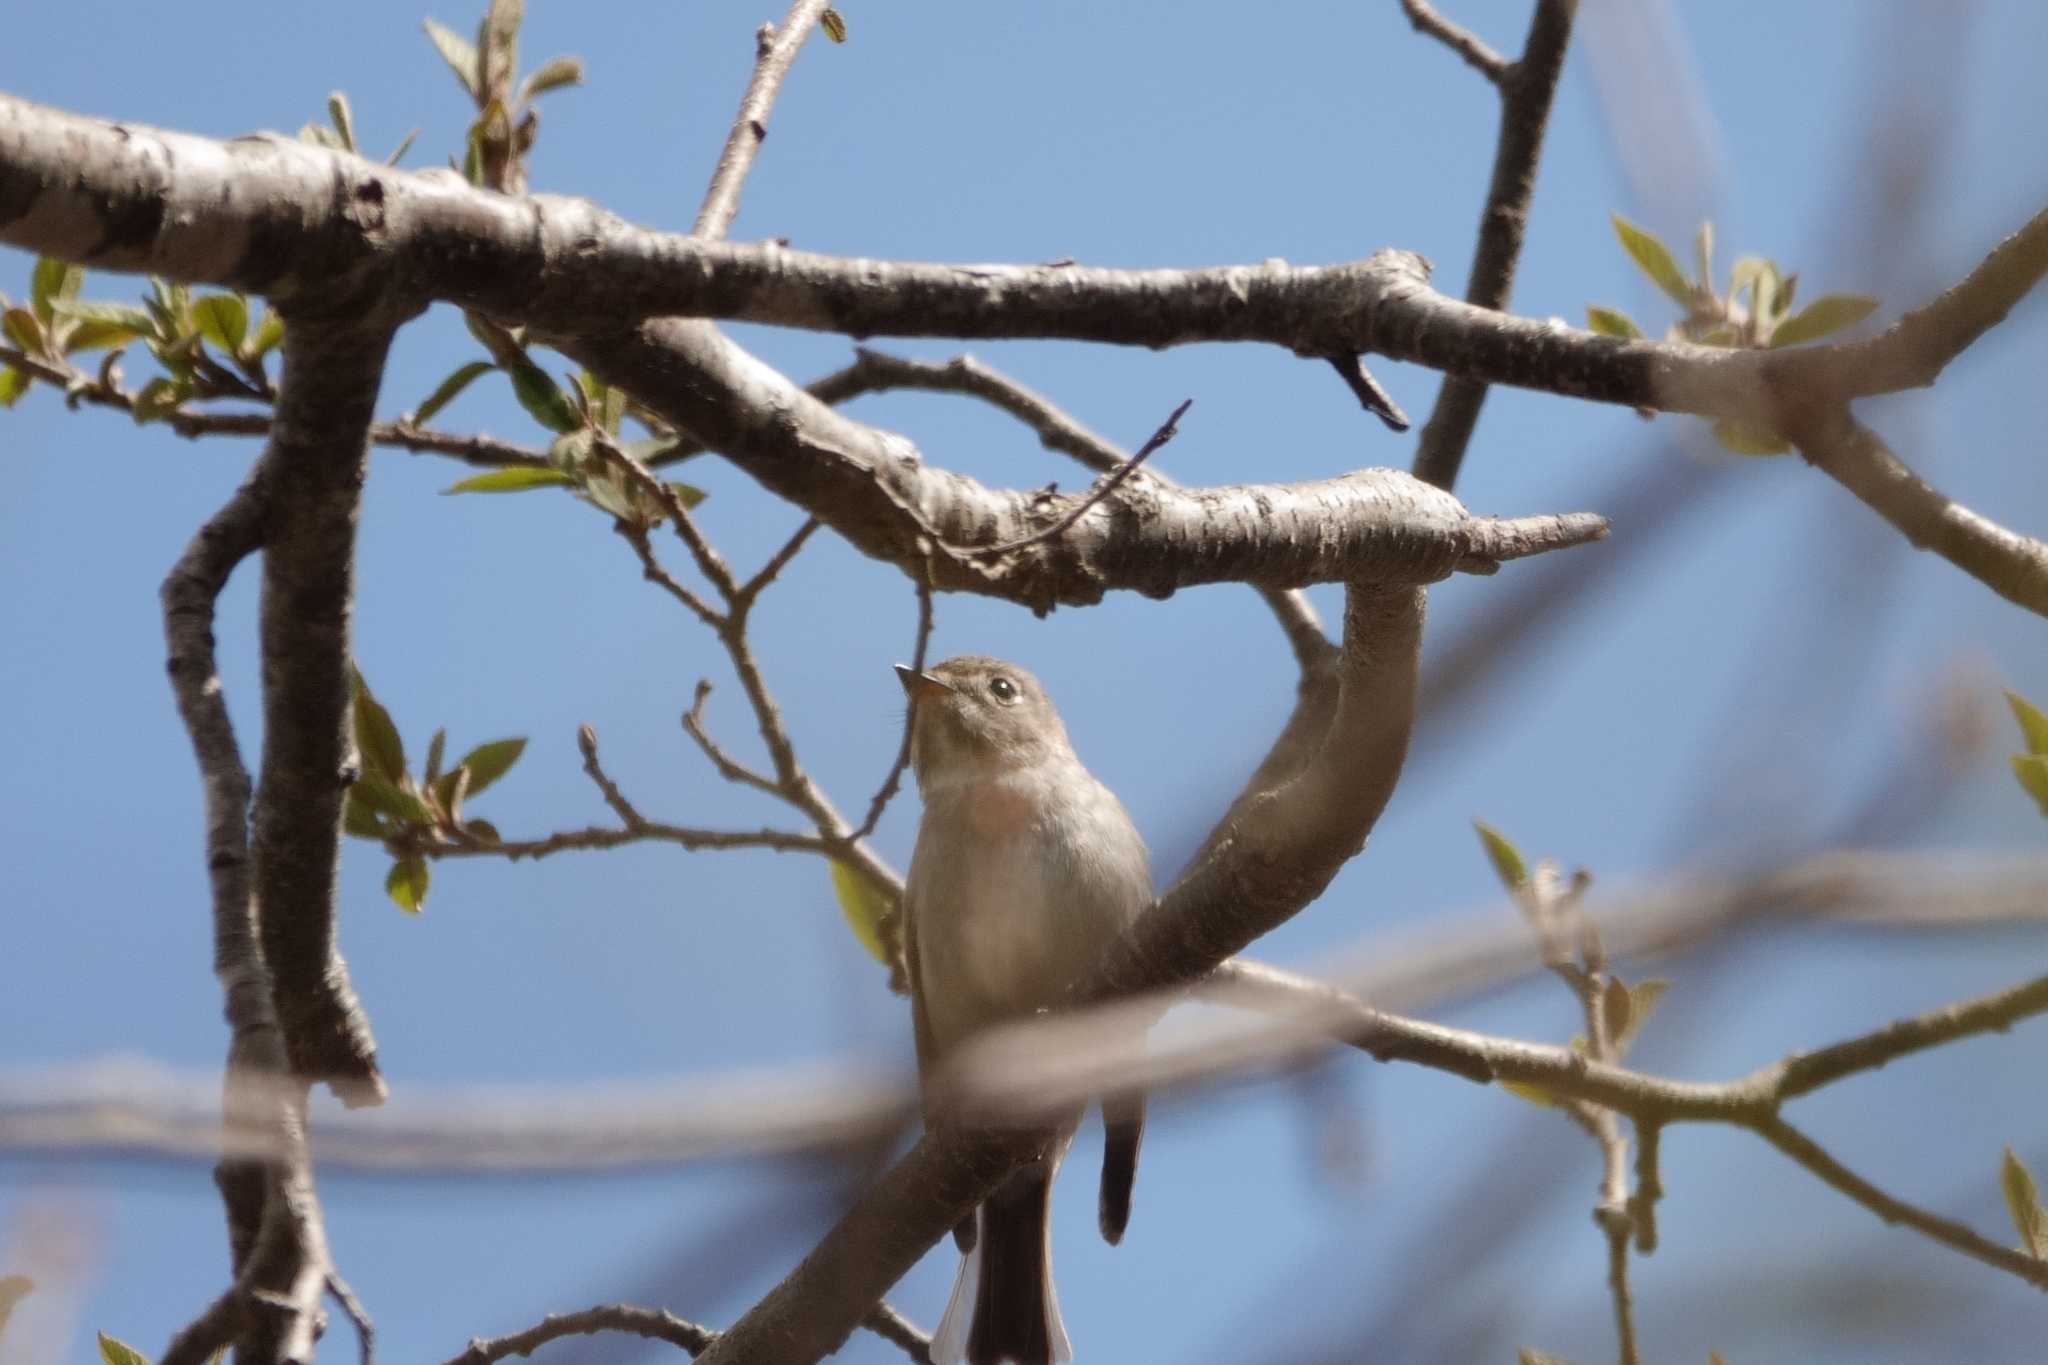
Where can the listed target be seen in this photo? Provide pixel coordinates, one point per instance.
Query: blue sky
(1734, 697)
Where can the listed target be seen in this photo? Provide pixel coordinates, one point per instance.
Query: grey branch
(200, 210)
(658, 1325)
(1526, 89)
(775, 50)
(2012, 565)
(1469, 46)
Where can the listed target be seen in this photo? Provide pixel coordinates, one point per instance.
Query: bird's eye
(1002, 689)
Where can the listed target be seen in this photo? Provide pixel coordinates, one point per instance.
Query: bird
(1025, 872)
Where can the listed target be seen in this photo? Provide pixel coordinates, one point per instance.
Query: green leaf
(318, 135)
(437, 748)
(392, 799)
(1654, 259)
(446, 391)
(2032, 772)
(344, 118)
(159, 398)
(1609, 322)
(457, 52)
(498, 38)
(21, 327)
(1749, 440)
(1747, 270)
(359, 818)
(1507, 859)
(269, 334)
(114, 1351)
(1703, 252)
(834, 24)
(383, 751)
(1828, 313)
(2033, 724)
(404, 144)
(482, 829)
(2023, 1201)
(450, 790)
(406, 884)
(13, 384)
(513, 479)
(863, 906)
(689, 494)
(1617, 1010)
(1645, 996)
(650, 448)
(52, 281)
(1724, 335)
(552, 74)
(489, 762)
(1534, 1094)
(222, 319)
(540, 395)
(101, 324)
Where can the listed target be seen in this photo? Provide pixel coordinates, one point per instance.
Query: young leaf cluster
(1754, 313)
(407, 814)
(2031, 767)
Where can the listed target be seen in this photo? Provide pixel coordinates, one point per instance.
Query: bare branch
(775, 50)
(1816, 1159)
(1527, 89)
(655, 1324)
(2012, 565)
(1468, 45)
(1058, 431)
(1168, 429)
(557, 263)
(320, 437)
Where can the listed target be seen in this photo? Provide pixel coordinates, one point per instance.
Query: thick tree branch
(275, 216)
(1526, 90)
(274, 1230)
(317, 454)
(872, 487)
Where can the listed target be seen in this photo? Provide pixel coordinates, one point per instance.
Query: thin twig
(887, 791)
(586, 744)
(1057, 430)
(729, 768)
(1465, 43)
(653, 1323)
(651, 569)
(485, 452)
(366, 1331)
(648, 831)
(1813, 1157)
(1167, 431)
(659, 1325)
(775, 49)
(777, 562)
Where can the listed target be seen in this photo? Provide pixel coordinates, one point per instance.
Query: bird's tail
(1003, 1307)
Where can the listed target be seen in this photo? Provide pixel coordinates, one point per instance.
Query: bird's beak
(921, 686)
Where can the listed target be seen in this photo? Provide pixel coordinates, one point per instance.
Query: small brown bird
(1026, 871)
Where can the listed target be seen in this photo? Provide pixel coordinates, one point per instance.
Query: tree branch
(2012, 565)
(271, 215)
(1526, 90)
(1472, 49)
(775, 50)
